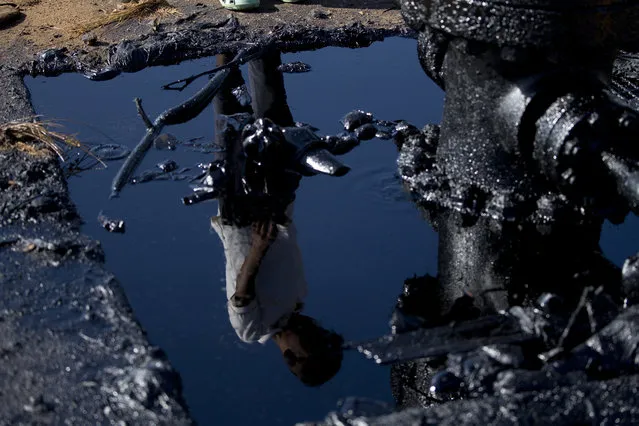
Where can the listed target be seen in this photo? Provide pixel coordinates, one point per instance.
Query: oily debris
(296, 67)
(167, 166)
(165, 141)
(112, 225)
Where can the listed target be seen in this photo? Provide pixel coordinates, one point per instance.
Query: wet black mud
(205, 40)
(69, 339)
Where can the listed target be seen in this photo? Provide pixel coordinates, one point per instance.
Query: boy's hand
(264, 233)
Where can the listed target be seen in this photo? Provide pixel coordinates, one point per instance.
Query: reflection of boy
(265, 281)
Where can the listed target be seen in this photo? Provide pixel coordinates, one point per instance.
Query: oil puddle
(358, 241)
(382, 186)
(357, 237)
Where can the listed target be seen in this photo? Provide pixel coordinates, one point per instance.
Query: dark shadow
(339, 4)
(265, 7)
(15, 21)
(355, 4)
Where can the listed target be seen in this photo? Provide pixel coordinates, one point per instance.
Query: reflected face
(294, 354)
(295, 361)
(313, 358)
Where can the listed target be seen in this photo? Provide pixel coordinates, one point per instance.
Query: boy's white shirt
(280, 285)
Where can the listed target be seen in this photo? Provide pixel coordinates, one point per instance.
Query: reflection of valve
(294, 148)
(269, 154)
(310, 153)
(211, 186)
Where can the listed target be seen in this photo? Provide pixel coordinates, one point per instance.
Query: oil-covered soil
(60, 24)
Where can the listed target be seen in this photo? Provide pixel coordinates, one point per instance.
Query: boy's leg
(269, 101)
(267, 89)
(225, 103)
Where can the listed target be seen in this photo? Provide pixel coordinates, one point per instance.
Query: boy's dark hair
(324, 349)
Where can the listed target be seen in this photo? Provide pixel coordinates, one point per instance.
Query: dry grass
(35, 138)
(139, 11)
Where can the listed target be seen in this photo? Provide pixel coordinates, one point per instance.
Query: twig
(242, 57)
(142, 113)
(182, 113)
(583, 302)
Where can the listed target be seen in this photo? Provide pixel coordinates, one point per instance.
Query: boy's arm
(264, 233)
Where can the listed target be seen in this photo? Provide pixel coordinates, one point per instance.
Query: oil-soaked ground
(358, 236)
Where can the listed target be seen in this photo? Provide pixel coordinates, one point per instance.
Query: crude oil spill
(355, 254)
(358, 241)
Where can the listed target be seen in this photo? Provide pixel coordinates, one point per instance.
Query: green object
(240, 5)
